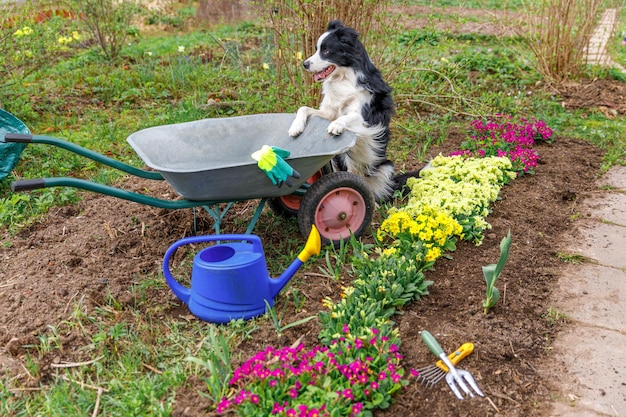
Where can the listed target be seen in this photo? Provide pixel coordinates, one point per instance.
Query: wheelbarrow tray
(211, 159)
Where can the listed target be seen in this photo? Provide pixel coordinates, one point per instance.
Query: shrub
(558, 32)
(107, 21)
(26, 44)
(296, 27)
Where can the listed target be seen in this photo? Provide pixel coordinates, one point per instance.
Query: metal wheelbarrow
(208, 162)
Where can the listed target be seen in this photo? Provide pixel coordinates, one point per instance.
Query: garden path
(590, 359)
(596, 52)
(589, 356)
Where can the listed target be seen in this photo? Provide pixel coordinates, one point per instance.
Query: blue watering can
(230, 281)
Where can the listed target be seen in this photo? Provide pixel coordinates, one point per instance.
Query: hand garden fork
(455, 376)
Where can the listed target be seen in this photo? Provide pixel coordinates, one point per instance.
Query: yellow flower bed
(451, 198)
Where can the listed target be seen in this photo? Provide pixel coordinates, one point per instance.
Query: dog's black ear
(347, 35)
(334, 24)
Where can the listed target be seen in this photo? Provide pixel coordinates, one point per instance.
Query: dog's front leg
(299, 123)
(350, 121)
(303, 114)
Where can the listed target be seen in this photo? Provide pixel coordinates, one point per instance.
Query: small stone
(13, 346)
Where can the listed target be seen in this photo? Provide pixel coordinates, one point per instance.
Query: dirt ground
(104, 245)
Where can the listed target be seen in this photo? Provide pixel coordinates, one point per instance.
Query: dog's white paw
(297, 127)
(336, 128)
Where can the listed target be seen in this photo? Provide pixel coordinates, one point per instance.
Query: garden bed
(102, 247)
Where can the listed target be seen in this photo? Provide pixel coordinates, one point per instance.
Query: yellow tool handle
(456, 356)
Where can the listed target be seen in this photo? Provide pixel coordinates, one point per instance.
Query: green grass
(554, 316)
(440, 82)
(571, 258)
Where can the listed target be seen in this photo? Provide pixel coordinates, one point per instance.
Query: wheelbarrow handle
(18, 137)
(79, 150)
(27, 185)
(37, 183)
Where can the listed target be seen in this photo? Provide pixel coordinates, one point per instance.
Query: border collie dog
(355, 98)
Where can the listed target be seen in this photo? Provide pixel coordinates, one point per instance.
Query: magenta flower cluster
(300, 382)
(507, 137)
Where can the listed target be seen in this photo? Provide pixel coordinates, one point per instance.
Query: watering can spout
(312, 247)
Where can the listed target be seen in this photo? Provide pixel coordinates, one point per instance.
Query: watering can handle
(182, 292)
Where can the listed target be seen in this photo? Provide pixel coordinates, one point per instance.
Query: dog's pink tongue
(318, 76)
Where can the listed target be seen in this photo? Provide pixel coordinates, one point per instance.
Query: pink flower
(313, 413)
(222, 405)
(277, 409)
(348, 394)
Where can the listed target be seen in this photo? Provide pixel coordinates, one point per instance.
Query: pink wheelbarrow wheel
(339, 205)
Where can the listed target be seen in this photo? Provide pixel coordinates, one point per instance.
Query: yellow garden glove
(270, 160)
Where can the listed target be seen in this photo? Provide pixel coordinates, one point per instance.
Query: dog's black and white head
(338, 47)
(340, 54)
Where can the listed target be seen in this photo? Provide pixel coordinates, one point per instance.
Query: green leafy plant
(218, 363)
(277, 322)
(385, 282)
(492, 272)
(337, 258)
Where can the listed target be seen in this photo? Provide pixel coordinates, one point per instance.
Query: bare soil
(103, 246)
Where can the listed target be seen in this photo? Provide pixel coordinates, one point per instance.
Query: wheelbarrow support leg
(218, 215)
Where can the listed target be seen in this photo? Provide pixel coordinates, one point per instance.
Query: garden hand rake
(432, 374)
(455, 376)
